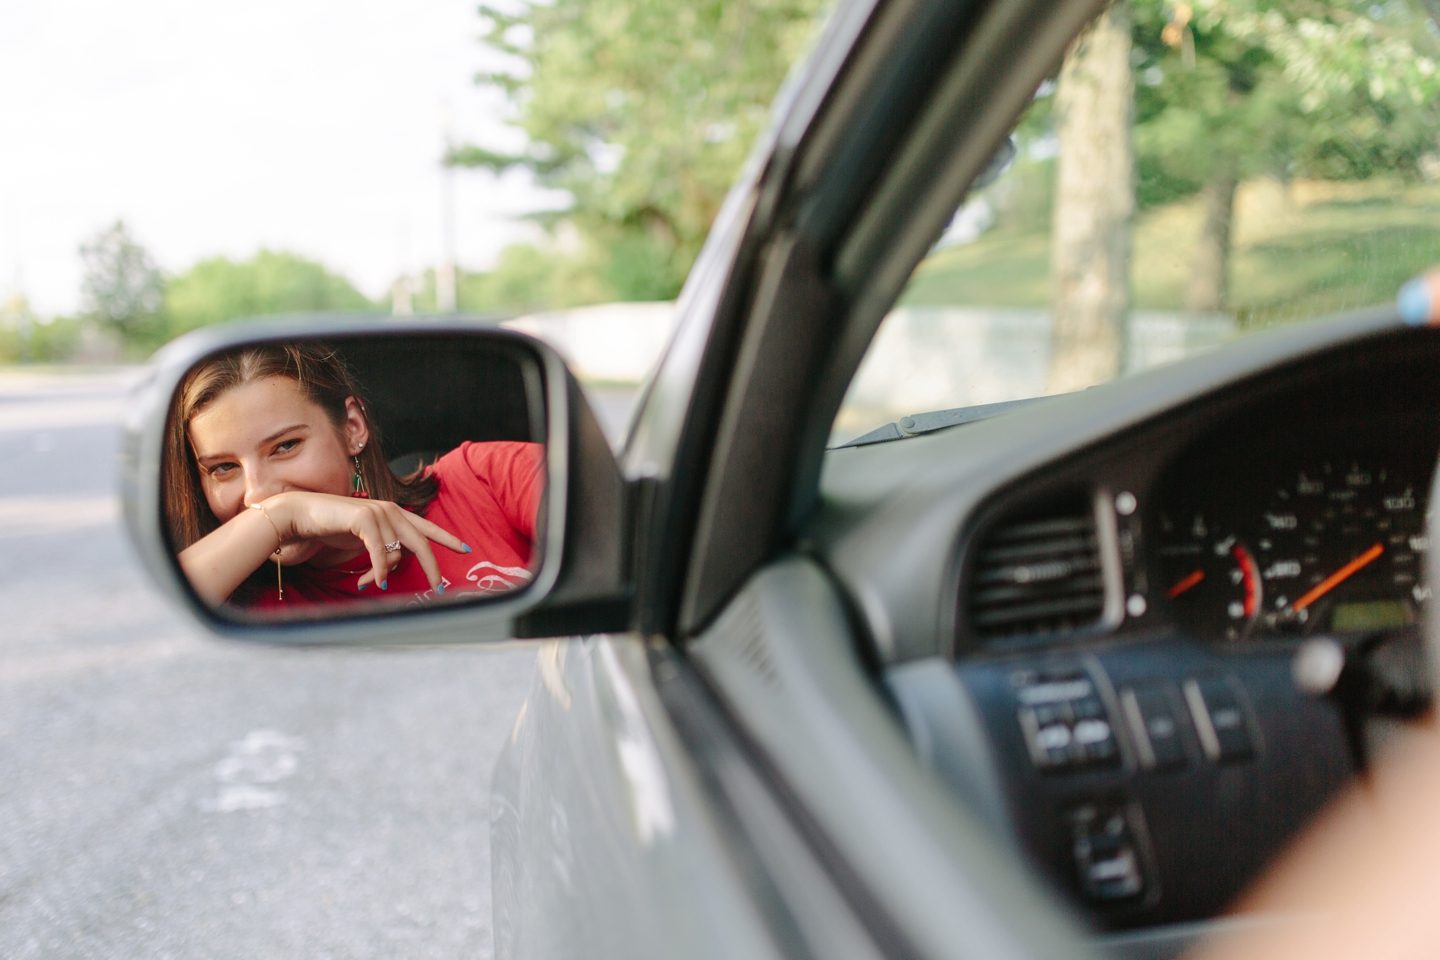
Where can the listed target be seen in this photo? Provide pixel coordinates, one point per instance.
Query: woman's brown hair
(325, 380)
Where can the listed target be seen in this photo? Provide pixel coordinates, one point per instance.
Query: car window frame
(809, 286)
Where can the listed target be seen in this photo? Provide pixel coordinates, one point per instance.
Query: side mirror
(343, 480)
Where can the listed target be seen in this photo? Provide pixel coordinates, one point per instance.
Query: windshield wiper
(914, 426)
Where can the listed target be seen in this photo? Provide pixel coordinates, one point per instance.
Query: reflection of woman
(271, 456)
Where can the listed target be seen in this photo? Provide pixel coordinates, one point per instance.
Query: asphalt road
(166, 795)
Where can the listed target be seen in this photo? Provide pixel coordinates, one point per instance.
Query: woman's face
(266, 437)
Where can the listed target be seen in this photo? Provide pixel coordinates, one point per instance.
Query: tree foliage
(271, 282)
(121, 284)
(1328, 89)
(643, 111)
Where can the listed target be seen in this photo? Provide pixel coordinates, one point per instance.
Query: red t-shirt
(489, 496)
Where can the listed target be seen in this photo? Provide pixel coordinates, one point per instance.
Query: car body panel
(602, 844)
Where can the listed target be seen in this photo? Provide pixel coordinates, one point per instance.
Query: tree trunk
(1209, 270)
(1094, 204)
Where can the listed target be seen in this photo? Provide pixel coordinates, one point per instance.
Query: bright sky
(307, 125)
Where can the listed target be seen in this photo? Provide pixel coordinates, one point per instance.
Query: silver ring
(392, 547)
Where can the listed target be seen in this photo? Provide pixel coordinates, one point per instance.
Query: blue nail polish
(362, 586)
(1414, 303)
(440, 588)
(384, 584)
(467, 547)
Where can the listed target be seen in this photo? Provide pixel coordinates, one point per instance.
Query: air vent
(1038, 575)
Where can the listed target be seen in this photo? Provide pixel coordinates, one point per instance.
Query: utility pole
(445, 276)
(401, 292)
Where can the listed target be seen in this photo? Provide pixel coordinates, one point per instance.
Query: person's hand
(1361, 881)
(348, 523)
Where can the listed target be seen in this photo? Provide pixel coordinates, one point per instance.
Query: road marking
(263, 757)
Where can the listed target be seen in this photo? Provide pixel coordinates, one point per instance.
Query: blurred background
(169, 166)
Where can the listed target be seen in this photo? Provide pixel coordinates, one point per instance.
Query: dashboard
(1123, 583)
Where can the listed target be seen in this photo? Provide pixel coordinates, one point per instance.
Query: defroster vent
(1038, 575)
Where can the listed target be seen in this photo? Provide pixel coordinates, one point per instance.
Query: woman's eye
(221, 470)
(286, 446)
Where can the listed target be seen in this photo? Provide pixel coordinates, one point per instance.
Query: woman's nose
(259, 485)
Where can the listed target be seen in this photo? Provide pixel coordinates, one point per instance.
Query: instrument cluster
(1296, 543)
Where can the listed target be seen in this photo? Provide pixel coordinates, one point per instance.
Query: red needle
(1338, 577)
(1186, 584)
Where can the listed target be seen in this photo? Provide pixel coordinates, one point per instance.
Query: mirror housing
(581, 582)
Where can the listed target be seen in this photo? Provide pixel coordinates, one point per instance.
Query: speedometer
(1339, 545)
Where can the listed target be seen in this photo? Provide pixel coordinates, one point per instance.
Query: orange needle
(1186, 584)
(1338, 577)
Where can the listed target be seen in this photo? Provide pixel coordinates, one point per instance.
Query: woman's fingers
(391, 543)
(414, 536)
(367, 528)
(377, 524)
(437, 533)
(398, 526)
(418, 545)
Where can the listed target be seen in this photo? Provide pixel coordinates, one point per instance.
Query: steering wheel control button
(1106, 853)
(1155, 720)
(1221, 722)
(1065, 722)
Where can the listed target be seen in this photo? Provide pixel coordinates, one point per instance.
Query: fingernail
(467, 547)
(363, 586)
(384, 584)
(440, 588)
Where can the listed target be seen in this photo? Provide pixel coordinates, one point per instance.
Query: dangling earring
(357, 483)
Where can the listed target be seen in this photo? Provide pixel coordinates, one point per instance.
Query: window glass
(1193, 174)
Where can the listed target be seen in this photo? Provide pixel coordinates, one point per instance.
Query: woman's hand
(221, 560)
(347, 523)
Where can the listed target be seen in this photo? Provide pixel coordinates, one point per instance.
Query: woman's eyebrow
(202, 457)
(284, 430)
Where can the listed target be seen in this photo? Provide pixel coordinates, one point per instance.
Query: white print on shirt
(496, 581)
(429, 595)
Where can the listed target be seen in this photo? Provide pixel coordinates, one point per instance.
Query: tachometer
(1211, 577)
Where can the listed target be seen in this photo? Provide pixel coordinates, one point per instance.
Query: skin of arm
(1362, 881)
(219, 562)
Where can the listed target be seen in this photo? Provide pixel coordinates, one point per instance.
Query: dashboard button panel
(1107, 852)
(1156, 722)
(1220, 719)
(1065, 722)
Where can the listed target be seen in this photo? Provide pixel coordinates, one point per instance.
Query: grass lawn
(1299, 251)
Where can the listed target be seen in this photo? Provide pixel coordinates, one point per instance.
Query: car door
(726, 778)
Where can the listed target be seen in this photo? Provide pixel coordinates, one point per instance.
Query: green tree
(643, 111)
(271, 282)
(1232, 89)
(122, 286)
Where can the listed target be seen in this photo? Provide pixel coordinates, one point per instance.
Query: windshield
(1194, 173)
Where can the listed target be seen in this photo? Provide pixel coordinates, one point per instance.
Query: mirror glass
(324, 478)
